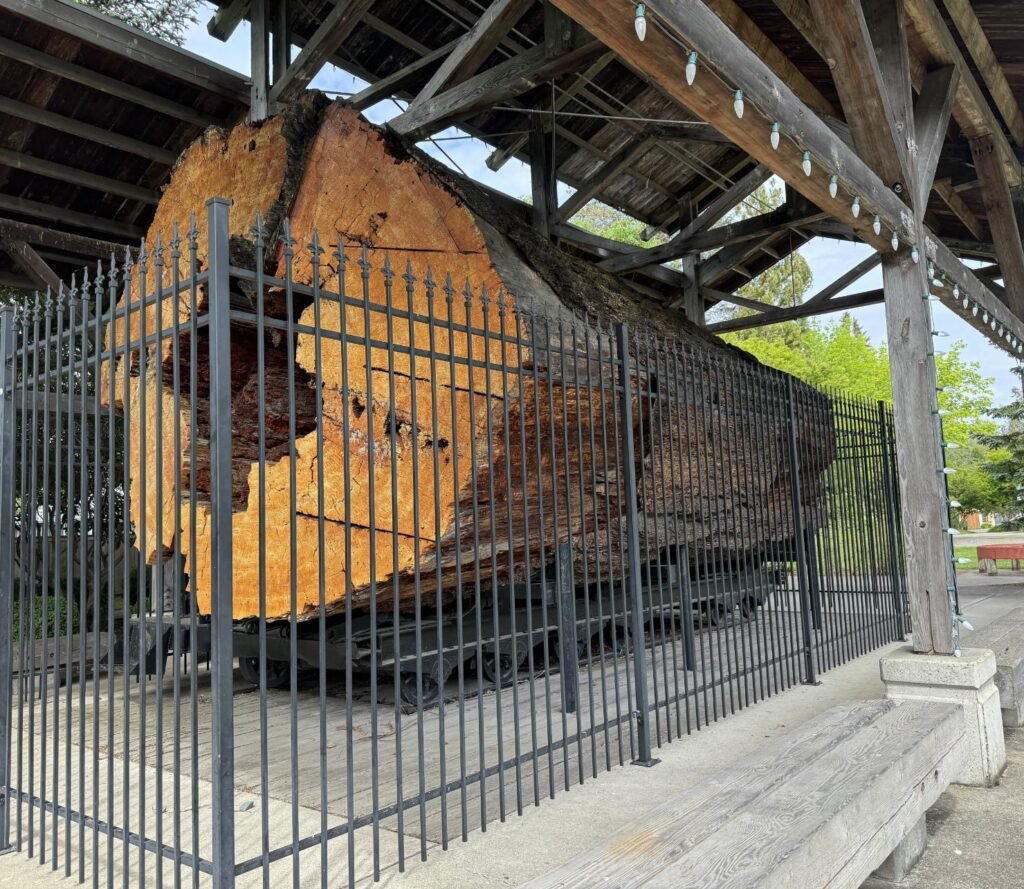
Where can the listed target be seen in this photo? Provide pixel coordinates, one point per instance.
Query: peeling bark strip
(329, 171)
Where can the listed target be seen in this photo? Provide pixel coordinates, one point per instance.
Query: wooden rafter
(973, 36)
(605, 174)
(744, 28)
(971, 109)
(712, 213)
(777, 316)
(474, 48)
(63, 241)
(505, 80)
(403, 77)
(772, 100)
(1002, 220)
(31, 263)
(845, 280)
(87, 77)
(335, 28)
(45, 213)
(857, 53)
(64, 173)
(949, 196)
(931, 121)
(86, 131)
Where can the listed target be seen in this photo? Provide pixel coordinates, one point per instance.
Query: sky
(828, 258)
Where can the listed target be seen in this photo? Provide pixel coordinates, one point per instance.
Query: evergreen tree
(167, 19)
(1007, 467)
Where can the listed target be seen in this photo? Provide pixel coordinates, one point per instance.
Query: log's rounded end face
(403, 417)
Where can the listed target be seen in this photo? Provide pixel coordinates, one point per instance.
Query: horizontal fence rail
(317, 560)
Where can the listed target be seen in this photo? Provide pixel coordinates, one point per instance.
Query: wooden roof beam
(474, 48)
(110, 85)
(58, 240)
(73, 127)
(777, 316)
(845, 280)
(931, 123)
(340, 22)
(772, 100)
(971, 109)
(511, 78)
(46, 213)
(64, 173)
(395, 83)
(31, 263)
(1002, 220)
(861, 57)
(130, 43)
(228, 17)
(712, 213)
(588, 190)
(945, 189)
(973, 36)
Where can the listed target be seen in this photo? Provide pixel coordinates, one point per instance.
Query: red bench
(990, 553)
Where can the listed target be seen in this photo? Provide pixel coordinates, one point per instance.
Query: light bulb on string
(956, 291)
(954, 504)
(833, 186)
(776, 135)
(855, 206)
(984, 318)
(974, 310)
(806, 164)
(951, 445)
(966, 302)
(915, 254)
(876, 224)
(737, 103)
(931, 270)
(691, 68)
(640, 21)
(949, 470)
(895, 241)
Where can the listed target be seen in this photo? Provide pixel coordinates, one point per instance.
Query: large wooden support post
(919, 451)
(542, 173)
(259, 51)
(693, 302)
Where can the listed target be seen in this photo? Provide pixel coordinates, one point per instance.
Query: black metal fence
(312, 563)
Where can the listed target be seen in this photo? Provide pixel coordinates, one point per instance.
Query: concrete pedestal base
(904, 856)
(967, 680)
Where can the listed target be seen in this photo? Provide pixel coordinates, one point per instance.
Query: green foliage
(41, 620)
(1007, 465)
(974, 485)
(600, 219)
(167, 19)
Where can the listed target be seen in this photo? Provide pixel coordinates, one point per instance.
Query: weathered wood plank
(511, 78)
(869, 102)
(931, 121)
(1002, 220)
(87, 77)
(130, 43)
(973, 35)
(32, 264)
(333, 31)
(83, 130)
(971, 108)
(474, 48)
(64, 173)
(897, 765)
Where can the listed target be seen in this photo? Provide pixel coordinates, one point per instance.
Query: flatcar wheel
(278, 672)
(410, 693)
(500, 669)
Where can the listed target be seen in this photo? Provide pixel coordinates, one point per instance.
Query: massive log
(437, 496)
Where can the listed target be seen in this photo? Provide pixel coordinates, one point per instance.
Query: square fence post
(7, 462)
(803, 572)
(636, 604)
(222, 659)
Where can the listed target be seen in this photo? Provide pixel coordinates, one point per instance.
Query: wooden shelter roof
(93, 114)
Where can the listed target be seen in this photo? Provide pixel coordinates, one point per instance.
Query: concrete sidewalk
(973, 833)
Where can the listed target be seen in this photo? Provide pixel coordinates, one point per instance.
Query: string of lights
(644, 17)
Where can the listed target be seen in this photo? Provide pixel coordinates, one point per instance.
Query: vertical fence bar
(893, 526)
(799, 541)
(7, 465)
(633, 543)
(222, 656)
